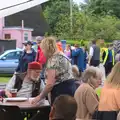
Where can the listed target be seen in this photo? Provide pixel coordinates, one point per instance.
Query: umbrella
(9, 7)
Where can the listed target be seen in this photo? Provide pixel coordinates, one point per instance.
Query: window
(18, 54)
(13, 55)
(7, 36)
(26, 37)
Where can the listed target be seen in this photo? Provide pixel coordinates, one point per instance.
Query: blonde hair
(49, 45)
(114, 77)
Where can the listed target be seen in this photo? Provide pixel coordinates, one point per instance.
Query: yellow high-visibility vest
(106, 56)
(101, 53)
(113, 55)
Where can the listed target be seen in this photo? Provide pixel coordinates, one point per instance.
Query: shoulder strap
(64, 57)
(36, 88)
(18, 83)
(19, 80)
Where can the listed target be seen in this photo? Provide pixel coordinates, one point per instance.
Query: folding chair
(10, 113)
(42, 114)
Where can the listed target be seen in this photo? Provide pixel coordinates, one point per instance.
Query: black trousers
(95, 63)
(108, 67)
(67, 87)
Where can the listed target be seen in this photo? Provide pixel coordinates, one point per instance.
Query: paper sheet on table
(45, 102)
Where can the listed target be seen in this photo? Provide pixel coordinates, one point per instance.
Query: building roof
(18, 28)
(9, 7)
(37, 21)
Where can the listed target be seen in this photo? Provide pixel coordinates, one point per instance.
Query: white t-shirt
(91, 52)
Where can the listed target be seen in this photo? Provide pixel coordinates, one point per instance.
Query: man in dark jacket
(108, 59)
(26, 57)
(27, 84)
(78, 57)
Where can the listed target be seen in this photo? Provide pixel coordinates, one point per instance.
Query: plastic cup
(14, 92)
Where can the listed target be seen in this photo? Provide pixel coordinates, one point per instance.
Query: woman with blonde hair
(59, 77)
(110, 98)
(85, 95)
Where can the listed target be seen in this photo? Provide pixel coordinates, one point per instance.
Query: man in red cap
(27, 84)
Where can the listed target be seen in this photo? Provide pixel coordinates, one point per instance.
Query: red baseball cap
(35, 66)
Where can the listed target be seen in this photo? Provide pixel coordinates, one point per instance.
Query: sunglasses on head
(25, 44)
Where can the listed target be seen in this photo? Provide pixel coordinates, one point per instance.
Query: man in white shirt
(94, 55)
(27, 84)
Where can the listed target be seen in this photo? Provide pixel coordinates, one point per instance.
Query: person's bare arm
(8, 94)
(10, 86)
(90, 55)
(49, 85)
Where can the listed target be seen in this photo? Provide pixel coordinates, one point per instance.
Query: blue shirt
(110, 55)
(24, 60)
(78, 58)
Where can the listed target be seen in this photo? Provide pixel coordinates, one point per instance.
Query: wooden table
(26, 105)
(27, 108)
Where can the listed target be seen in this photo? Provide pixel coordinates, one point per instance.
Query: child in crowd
(77, 75)
(67, 51)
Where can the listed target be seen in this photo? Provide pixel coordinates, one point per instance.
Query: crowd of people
(68, 79)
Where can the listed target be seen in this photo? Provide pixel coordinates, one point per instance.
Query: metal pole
(71, 16)
(22, 32)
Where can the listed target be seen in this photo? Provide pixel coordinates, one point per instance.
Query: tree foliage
(57, 14)
(103, 7)
(96, 19)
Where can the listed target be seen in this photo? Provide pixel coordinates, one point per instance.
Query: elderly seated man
(27, 84)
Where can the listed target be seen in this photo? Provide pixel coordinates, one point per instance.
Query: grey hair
(91, 72)
(75, 71)
(39, 38)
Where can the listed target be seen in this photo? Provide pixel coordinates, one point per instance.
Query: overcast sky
(78, 1)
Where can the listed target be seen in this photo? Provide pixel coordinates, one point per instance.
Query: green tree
(103, 7)
(86, 25)
(57, 14)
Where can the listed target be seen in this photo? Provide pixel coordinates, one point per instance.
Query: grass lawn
(4, 79)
